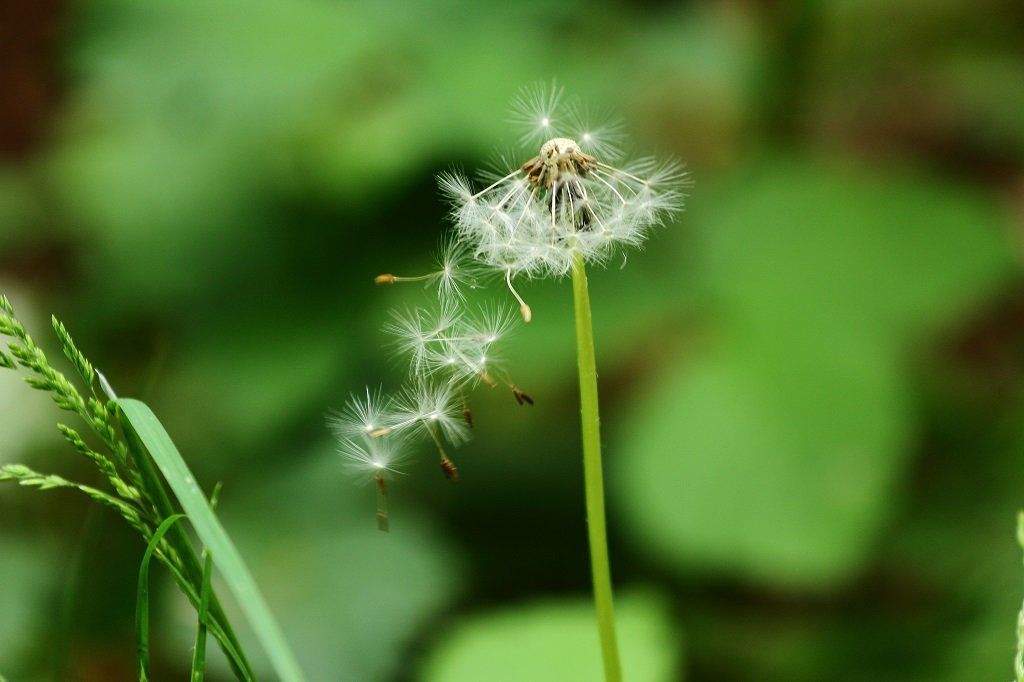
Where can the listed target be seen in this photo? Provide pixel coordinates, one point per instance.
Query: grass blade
(226, 558)
(142, 599)
(199, 651)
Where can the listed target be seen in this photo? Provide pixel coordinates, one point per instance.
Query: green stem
(592, 474)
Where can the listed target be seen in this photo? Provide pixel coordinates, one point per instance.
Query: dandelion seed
(450, 346)
(597, 134)
(364, 455)
(361, 416)
(418, 331)
(454, 271)
(490, 325)
(433, 409)
(536, 110)
(374, 457)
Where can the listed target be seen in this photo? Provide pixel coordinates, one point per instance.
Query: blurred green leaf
(557, 641)
(191, 118)
(791, 245)
(778, 467)
(987, 88)
(774, 453)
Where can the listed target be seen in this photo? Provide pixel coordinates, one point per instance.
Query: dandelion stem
(592, 474)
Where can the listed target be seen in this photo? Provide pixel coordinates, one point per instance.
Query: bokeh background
(813, 380)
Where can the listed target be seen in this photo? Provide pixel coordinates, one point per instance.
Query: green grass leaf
(199, 650)
(236, 574)
(142, 598)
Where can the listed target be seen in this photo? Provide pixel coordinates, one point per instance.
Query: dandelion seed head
(563, 199)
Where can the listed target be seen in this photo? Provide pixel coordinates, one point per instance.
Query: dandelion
(566, 200)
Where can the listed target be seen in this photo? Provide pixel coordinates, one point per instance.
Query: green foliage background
(813, 382)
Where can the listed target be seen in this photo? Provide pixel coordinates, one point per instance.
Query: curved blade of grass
(142, 599)
(199, 651)
(236, 574)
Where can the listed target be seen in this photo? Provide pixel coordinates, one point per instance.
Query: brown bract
(558, 156)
